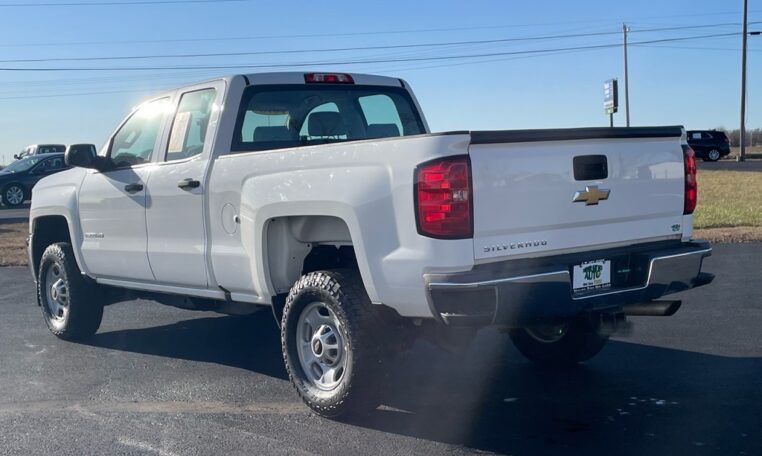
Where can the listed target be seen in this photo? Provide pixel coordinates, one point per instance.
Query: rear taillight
(691, 187)
(443, 200)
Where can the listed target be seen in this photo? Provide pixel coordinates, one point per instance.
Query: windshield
(22, 165)
(274, 117)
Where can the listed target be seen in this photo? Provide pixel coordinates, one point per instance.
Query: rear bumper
(533, 291)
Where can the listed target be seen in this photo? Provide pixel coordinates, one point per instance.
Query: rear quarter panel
(367, 184)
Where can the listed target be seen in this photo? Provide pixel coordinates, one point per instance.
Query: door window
(191, 122)
(50, 165)
(133, 144)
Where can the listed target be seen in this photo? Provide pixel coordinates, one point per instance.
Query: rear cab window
(283, 116)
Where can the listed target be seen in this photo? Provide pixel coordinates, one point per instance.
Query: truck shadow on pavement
(250, 342)
(631, 399)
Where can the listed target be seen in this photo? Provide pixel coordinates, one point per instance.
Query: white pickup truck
(325, 197)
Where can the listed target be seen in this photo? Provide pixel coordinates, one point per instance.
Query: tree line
(753, 136)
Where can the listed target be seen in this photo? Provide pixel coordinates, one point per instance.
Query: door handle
(133, 188)
(189, 183)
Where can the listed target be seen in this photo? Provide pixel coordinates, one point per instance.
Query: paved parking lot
(20, 214)
(158, 380)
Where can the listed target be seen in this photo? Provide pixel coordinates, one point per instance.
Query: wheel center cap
(317, 347)
(54, 293)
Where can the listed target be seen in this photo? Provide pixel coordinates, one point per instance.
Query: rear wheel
(560, 345)
(328, 336)
(71, 306)
(13, 195)
(713, 155)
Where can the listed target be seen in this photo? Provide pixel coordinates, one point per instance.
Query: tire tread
(85, 304)
(344, 286)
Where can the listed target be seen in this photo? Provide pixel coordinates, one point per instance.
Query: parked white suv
(38, 149)
(325, 197)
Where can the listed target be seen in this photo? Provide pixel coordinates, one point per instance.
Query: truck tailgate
(525, 184)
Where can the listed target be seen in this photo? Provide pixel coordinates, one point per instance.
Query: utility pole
(742, 154)
(626, 29)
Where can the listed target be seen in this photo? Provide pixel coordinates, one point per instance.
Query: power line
(117, 3)
(303, 51)
(346, 49)
(164, 86)
(700, 48)
(328, 35)
(267, 37)
(356, 62)
(511, 56)
(24, 97)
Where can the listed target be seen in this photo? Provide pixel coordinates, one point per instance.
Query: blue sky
(694, 82)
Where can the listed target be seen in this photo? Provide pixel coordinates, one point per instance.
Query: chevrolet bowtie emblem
(591, 195)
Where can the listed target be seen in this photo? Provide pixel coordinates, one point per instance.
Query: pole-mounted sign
(611, 98)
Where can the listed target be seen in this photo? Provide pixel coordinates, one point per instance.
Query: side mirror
(81, 155)
(17, 156)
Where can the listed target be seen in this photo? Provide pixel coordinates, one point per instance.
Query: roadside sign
(610, 96)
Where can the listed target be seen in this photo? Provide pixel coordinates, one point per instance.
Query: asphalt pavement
(731, 165)
(162, 381)
(9, 215)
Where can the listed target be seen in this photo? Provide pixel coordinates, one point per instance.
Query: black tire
(10, 187)
(81, 315)
(580, 342)
(341, 292)
(713, 155)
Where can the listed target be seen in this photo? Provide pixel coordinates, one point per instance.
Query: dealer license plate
(591, 275)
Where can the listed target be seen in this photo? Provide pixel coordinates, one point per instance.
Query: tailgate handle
(590, 167)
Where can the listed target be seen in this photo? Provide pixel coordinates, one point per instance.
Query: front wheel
(13, 195)
(71, 306)
(328, 337)
(560, 345)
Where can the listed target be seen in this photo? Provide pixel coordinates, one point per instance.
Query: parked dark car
(18, 178)
(709, 145)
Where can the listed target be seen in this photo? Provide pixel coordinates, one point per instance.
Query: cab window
(133, 144)
(190, 125)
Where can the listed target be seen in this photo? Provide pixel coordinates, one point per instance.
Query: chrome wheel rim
(321, 346)
(548, 334)
(14, 195)
(714, 155)
(56, 294)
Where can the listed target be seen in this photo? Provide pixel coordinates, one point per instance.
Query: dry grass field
(729, 199)
(752, 152)
(12, 243)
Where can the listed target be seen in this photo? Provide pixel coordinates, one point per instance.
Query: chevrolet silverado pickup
(325, 198)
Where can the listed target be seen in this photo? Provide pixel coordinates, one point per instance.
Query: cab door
(175, 217)
(112, 203)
